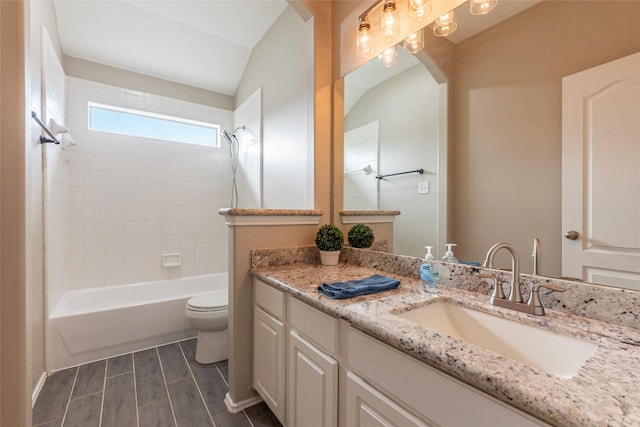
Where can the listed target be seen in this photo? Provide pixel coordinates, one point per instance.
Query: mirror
(505, 125)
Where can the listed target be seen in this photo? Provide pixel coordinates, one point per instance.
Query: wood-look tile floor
(162, 386)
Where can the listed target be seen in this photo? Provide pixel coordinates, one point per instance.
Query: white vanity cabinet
(417, 393)
(269, 347)
(312, 367)
(307, 365)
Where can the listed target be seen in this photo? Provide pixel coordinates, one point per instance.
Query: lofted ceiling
(200, 43)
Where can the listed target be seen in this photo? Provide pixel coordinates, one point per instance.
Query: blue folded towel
(354, 288)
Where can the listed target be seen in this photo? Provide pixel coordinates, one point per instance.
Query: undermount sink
(556, 354)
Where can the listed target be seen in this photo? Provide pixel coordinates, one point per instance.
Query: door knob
(571, 235)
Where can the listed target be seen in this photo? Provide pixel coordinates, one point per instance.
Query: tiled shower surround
(130, 200)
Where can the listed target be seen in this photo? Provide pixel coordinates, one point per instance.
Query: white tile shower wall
(129, 200)
(54, 177)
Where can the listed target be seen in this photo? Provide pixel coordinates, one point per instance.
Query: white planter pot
(329, 257)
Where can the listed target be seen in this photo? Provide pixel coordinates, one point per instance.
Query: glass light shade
(419, 9)
(445, 25)
(481, 7)
(364, 40)
(388, 57)
(389, 22)
(415, 42)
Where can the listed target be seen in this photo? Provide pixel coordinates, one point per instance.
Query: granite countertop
(605, 391)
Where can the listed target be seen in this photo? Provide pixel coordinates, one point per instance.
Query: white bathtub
(93, 324)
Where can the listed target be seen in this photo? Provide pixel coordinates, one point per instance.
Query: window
(124, 121)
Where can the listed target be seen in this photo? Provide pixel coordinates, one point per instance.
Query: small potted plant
(360, 236)
(329, 240)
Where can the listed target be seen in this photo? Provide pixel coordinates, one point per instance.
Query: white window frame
(158, 116)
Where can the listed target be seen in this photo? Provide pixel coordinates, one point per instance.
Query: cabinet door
(368, 407)
(313, 385)
(269, 361)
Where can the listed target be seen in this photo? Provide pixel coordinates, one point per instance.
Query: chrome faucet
(515, 302)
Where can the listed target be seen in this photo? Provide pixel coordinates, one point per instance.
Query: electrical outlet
(423, 187)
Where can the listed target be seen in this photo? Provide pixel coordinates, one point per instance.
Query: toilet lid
(212, 301)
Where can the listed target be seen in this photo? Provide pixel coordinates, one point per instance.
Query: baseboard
(234, 407)
(38, 388)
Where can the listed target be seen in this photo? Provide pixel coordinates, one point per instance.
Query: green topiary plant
(329, 238)
(360, 236)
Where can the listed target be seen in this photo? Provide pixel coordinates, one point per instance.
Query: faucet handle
(534, 296)
(497, 293)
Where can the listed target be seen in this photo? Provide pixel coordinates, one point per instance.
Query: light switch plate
(423, 187)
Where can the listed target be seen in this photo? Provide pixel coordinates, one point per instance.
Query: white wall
(39, 14)
(249, 168)
(407, 108)
(282, 65)
(361, 152)
(132, 199)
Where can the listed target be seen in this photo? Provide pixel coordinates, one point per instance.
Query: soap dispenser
(428, 272)
(448, 256)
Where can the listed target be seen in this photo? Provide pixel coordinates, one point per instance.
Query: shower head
(230, 137)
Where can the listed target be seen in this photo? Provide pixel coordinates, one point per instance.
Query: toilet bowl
(208, 314)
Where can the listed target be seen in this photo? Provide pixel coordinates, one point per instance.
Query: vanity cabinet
(306, 365)
(420, 391)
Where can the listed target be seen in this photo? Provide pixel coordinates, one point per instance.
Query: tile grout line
(75, 378)
(193, 377)
(166, 388)
(104, 387)
(135, 388)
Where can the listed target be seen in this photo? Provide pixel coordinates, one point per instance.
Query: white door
(601, 174)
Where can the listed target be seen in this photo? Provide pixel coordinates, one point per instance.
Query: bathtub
(93, 324)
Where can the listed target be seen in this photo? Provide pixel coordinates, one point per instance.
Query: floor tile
(156, 414)
(53, 398)
(227, 419)
(150, 385)
(212, 386)
(84, 412)
(187, 404)
(261, 416)
(173, 363)
(189, 349)
(192, 394)
(223, 367)
(119, 407)
(90, 379)
(119, 365)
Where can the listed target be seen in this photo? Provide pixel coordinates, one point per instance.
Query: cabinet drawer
(427, 391)
(318, 327)
(269, 299)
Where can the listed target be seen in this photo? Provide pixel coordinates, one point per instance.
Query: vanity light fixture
(364, 38)
(389, 21)
(445, 25)
(415, 42)
(419, 9)
(482, 7)
(389, 56)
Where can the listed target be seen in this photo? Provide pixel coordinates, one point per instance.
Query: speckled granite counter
(605, 391)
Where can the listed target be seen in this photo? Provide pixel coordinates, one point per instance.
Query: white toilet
(208, 314)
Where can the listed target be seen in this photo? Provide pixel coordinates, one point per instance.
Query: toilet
(208, 314)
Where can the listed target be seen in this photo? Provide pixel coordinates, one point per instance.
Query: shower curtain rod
(43, 139)
(420, 171)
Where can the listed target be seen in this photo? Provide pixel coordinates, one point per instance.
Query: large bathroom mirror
(504, 74)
